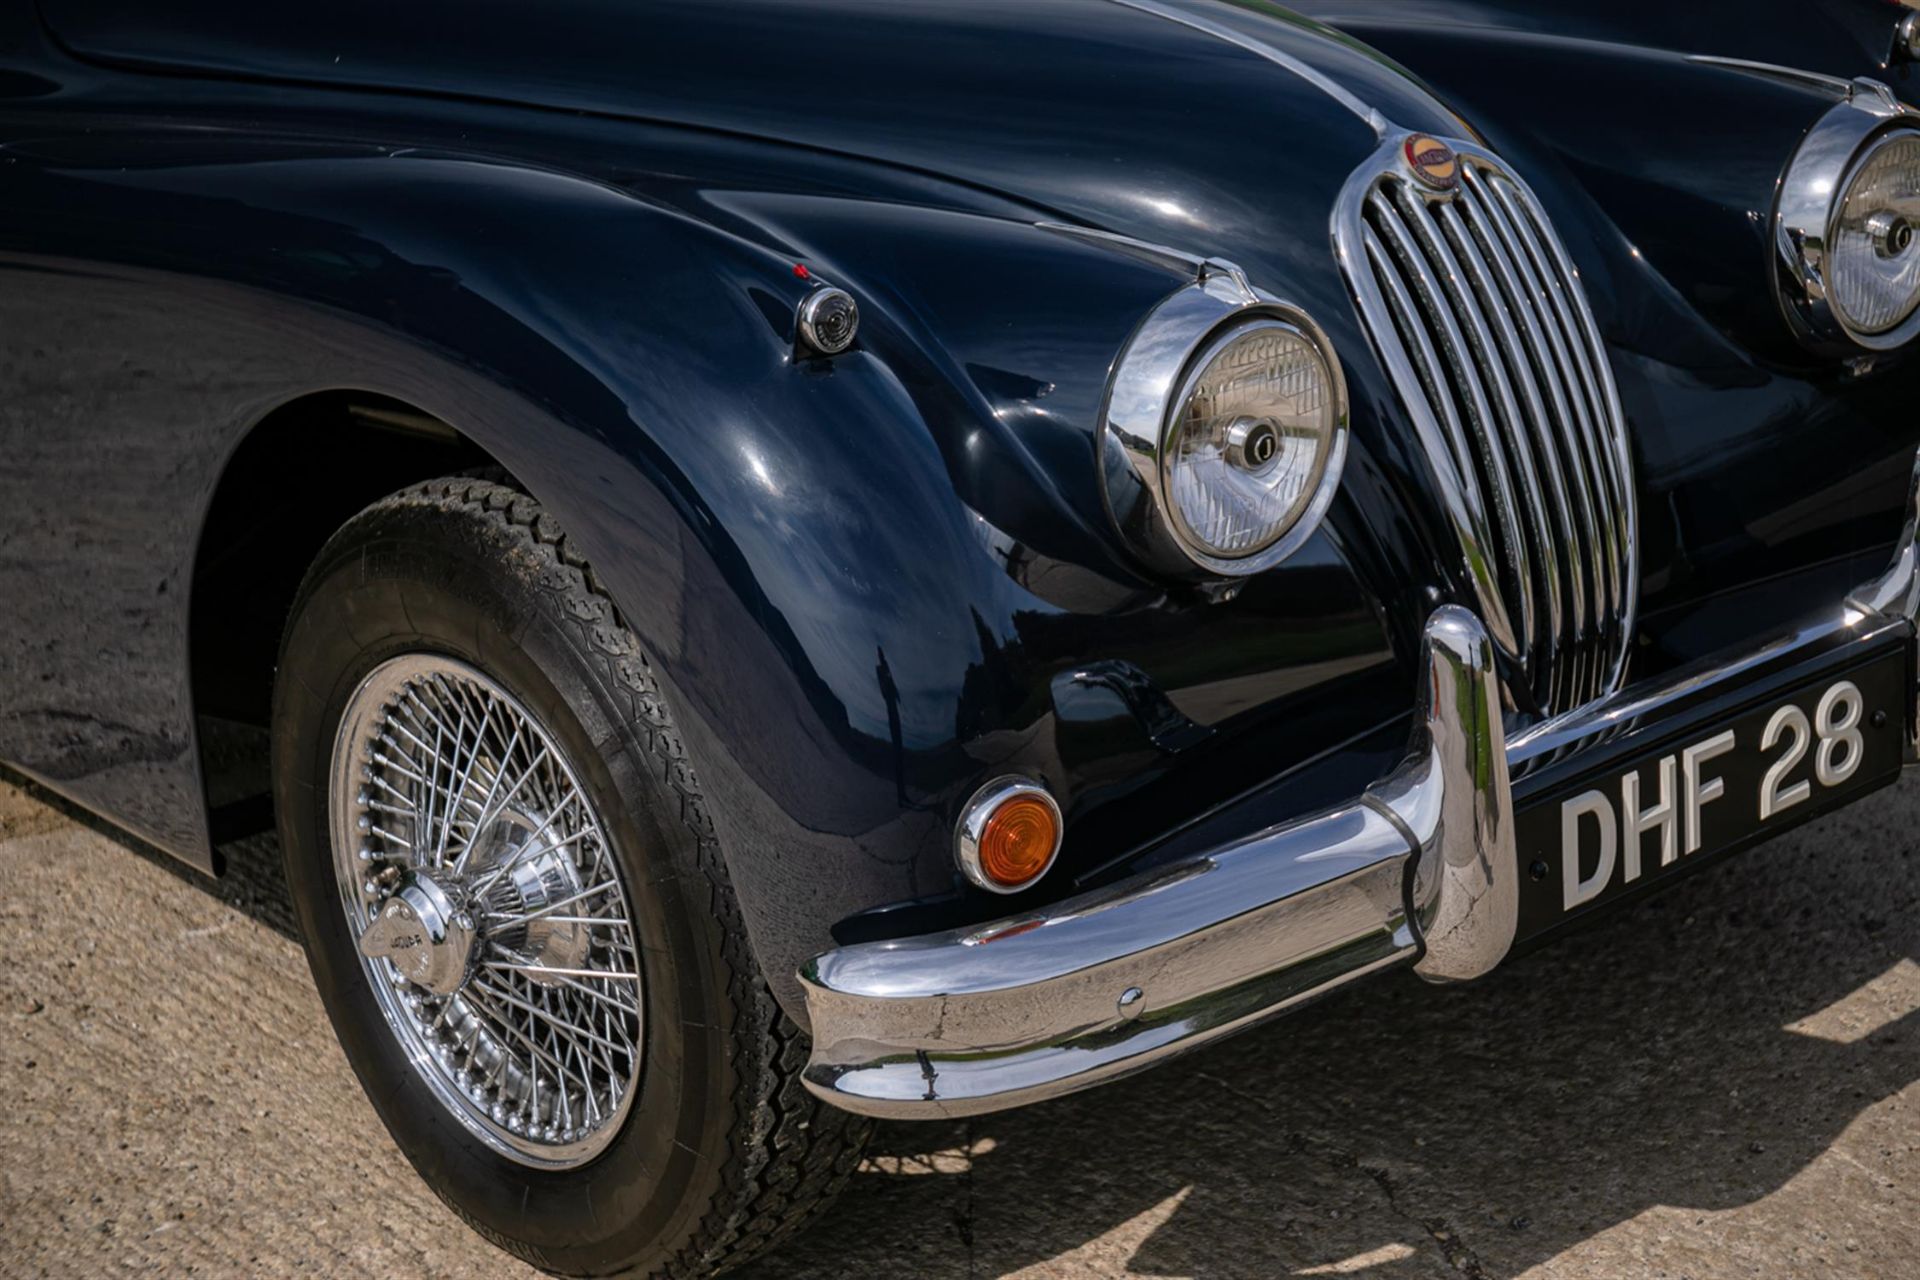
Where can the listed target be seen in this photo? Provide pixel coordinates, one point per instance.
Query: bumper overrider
(1419, 870)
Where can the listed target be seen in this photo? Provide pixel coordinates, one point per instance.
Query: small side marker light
(1008, 835)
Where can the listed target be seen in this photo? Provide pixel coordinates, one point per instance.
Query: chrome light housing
(1225, 429)
(1847, 229)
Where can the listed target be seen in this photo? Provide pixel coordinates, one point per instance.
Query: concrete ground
(1720, 1082)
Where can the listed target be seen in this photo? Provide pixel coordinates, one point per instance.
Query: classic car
(774, 564)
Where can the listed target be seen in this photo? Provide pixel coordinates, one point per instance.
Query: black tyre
(596, 1079)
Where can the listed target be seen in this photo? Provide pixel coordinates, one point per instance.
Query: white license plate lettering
(1654, 811)
(1789, 722)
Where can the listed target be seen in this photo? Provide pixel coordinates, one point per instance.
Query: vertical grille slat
(1418, 359)
(1589, 403)
(1484, 327)
(1576, 422)
(1464, 377)
(1507, 453)
(1613, 447)
(1522, 419)
(1595, 371)
(1546, 401)
(1557, 449)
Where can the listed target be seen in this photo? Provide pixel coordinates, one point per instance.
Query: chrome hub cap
(492, 919)
(423, 934)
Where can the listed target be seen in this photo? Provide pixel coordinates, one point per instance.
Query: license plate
(1719, 788)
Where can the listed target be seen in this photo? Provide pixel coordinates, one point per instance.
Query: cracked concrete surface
(1721, 1082)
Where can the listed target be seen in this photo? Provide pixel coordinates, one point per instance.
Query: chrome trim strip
(1164, 255)
(1774, 71)
(1318, 79)
(1610, 715)
(1421, 869)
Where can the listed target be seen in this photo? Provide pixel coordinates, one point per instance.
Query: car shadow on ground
(1698, 1051)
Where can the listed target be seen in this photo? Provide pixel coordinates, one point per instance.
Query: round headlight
(1224, 429)
(1250, 436)
(1873, 264)
(1844, 228)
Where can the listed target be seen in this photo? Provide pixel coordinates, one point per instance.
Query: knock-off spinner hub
(426, 936)
(425, 925)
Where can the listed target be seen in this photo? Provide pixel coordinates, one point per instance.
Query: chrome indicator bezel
(971, 829)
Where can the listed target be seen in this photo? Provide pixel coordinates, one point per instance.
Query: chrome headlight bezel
(1813, 194)
(1156, 371)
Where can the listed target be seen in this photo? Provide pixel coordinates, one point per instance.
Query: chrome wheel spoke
(559, 1025)
(560, 973)
(543, 912)
(489, 911)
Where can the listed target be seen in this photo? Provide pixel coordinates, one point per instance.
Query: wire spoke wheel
(488, 908)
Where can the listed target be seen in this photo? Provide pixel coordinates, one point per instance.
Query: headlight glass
(1873, 277)
(1249, 439)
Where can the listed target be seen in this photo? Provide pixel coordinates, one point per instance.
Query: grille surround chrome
(1478, 316)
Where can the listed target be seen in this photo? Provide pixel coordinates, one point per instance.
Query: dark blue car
(778, 563)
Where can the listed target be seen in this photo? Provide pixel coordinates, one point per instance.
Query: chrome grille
(1480, 320)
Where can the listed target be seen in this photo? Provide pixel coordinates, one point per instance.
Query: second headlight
(1847, 227)
(1873, 264)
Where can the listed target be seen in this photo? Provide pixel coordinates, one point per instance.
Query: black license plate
(1722, 787)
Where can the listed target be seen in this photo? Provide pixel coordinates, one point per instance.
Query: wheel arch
(295, 476)
(633, 369)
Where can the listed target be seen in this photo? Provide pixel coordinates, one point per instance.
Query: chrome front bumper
(1420, 870)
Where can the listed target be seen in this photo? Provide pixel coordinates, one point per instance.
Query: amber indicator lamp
(1008, 835)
